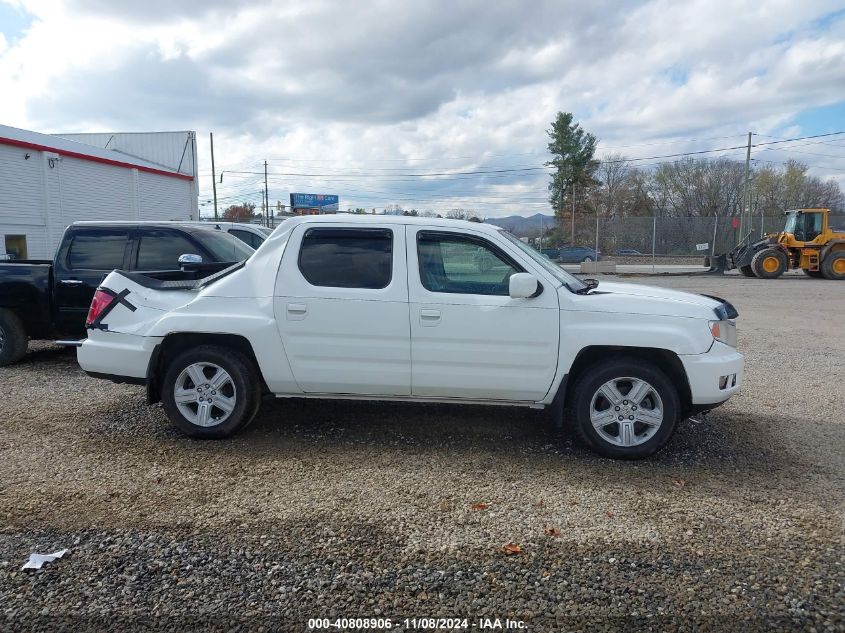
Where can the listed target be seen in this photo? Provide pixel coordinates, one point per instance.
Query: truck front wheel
(13, 338)
(770, 263)
(625, 408)
(210, 392)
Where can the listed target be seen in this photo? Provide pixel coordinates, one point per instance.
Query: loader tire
(13, 338)
(815, 274)
(746, 271)
(833, 266)
(769, 263)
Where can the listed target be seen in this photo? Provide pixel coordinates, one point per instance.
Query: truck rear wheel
(13, 338)
(746, 271)
(210, 392)
(833, 266)
(625, 408)
(769, 263)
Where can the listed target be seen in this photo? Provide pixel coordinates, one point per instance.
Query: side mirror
(523, 286)
(190, 258)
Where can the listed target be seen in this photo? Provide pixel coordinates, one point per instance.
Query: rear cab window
(160, 249)
(97, 249)
(347, 257)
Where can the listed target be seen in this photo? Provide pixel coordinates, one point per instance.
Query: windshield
(570, 281)
(224, 247)
(791, 222)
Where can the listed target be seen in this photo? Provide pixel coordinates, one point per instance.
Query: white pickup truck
(418, 310)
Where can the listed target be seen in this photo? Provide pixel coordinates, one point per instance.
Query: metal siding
(22, 200)
(40, 201)
(162, 148)
(163, 198)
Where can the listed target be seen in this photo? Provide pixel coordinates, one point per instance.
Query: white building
(49, 181)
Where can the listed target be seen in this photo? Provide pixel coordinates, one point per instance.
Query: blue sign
(314, 201)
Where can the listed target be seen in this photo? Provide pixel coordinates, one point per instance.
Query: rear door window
(347, 258)
(97, 250)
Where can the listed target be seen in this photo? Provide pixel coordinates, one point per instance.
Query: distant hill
(522, 226)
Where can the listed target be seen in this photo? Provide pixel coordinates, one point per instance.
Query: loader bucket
(718, 265)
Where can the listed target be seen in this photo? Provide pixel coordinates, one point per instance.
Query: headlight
(724, 331)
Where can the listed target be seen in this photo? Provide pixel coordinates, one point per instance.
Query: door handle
(429, 317)
(71, 282)
(297, 311)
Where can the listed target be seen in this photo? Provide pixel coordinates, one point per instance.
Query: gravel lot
(331, 509)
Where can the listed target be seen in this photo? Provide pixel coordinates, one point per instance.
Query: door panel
(469, 339)
(81, 264)
(340, 337)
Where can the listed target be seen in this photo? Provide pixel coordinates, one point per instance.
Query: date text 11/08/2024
(430, 624)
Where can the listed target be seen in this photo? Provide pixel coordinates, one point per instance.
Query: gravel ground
(332, 509)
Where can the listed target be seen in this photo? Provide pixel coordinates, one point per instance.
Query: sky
(391, 102)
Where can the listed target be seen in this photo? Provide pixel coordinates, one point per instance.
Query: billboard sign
(324, 203)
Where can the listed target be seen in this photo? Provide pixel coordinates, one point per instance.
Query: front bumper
(113, 354)
(714, 376)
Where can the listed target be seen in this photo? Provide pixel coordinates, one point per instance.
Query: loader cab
(805, 225)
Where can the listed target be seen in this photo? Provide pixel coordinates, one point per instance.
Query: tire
(587, 259)
(13, 338)
(240, 389)
(833, 266)
(815, 274)
(746, 271)
(769, 263)
(637, 439)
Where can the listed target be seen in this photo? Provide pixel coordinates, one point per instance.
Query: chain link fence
(678, 237)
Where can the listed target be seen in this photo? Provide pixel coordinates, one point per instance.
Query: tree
(240, 212)
(573, 150)
(462, 214)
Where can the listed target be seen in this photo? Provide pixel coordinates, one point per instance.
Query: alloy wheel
(205, 394)
(626, 411)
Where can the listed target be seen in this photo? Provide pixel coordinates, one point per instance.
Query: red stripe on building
(95, 159)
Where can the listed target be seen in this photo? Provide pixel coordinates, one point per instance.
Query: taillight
(100, 302)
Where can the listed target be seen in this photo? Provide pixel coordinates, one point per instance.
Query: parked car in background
(552, 253)
(43, 299)
(628, 252)
(252, 235)
(415, 310)
(577, 254)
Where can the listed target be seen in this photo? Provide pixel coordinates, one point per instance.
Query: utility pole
(572, 241)
(266, 198)
(213, 175)
(746, 197)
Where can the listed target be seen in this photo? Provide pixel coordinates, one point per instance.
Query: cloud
(366, 91)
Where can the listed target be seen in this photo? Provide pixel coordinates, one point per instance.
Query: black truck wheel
(746, 271)
(13, 338)
(769, 263)
(625, 408)
(833, 266)
(210, 392)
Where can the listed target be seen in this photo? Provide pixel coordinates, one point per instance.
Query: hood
(637, 299)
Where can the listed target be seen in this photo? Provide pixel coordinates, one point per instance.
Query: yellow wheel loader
(806, 242)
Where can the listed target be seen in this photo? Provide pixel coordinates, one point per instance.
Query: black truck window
(97, 250)
(160, 249)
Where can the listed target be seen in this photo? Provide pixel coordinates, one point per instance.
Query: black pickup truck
(42, 299)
